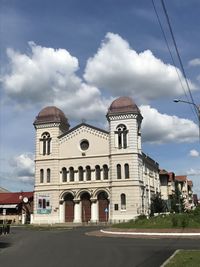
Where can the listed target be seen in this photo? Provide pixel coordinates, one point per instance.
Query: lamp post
(195, 106)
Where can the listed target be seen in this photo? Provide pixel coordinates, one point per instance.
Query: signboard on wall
(43, 204)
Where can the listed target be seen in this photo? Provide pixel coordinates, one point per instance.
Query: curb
(149, 234)
(169, 259)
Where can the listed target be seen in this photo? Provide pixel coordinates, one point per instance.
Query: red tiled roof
(181, 178)
(14, 198)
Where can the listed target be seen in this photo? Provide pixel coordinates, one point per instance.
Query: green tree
(177, 201)
(158, 205)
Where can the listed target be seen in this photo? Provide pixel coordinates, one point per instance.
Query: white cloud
(194, 62)
(194, 153)
(160, 128)
(48, 76)
(24, 167)
(120, 69)
(193, 172)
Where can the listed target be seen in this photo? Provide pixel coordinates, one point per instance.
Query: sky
(80, 56)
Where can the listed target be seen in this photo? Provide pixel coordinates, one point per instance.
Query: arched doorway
(103, 206)
(69, 207)
(86, 207)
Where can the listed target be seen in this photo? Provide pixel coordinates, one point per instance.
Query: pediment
(84, 128)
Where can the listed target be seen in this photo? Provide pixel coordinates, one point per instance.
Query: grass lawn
(166, 221)
(189, 258)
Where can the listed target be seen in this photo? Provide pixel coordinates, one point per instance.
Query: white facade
(86, 174)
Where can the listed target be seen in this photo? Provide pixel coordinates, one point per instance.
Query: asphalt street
(72, 248)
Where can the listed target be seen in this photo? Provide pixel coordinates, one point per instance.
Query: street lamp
(194, 105)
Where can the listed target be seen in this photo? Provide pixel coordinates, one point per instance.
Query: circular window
(84, 144)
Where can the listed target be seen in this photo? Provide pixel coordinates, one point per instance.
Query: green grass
(188, 258)
(166, 221)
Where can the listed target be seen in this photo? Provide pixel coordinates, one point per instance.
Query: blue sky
(80, 55)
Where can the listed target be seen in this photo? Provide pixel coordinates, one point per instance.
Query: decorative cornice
(48, 125)
(122, 117)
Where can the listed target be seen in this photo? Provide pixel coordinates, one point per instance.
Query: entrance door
(86, 207)
(103, 207)
(69, 208)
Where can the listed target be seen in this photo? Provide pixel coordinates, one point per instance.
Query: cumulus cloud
(48, 76)
(194, 153)
(24, 167)
(194, 62)
(119, 68)
(160, 128)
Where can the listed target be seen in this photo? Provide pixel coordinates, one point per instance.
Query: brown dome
(51, 114)
(123, 104)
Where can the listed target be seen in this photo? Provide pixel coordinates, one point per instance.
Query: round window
(84, 144)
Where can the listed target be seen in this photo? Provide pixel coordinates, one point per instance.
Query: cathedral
(86, 174)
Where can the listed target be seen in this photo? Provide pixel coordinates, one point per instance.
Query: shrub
(174, 221)
(142, 217)
(184, 221)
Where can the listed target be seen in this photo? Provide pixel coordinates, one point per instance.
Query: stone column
(77, 211)
(61, 211)
(94, 211)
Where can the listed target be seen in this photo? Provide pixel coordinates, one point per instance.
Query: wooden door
(69, 210)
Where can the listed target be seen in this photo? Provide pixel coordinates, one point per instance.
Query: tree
(158, 205)
(177, 201)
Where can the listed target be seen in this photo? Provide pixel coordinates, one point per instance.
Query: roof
(14, 198)
(170, 175)
(3, 190)
(181, 178)
(123, 104)
(84, 124)
(51, 114)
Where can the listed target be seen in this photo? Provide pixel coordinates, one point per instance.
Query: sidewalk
(148, 233)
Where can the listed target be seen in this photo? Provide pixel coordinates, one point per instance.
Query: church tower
(49, 125)
(125, 119)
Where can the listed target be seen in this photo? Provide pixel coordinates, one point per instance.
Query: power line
(179, 57)
(169, 50)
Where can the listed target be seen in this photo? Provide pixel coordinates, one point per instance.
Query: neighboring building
(167, 186)
(16, 207)
(3, 190)
(185, 187)
(195, 200)
(86, 174)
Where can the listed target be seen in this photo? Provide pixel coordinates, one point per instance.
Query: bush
(174, 221)
(184, 221)
(142, 217)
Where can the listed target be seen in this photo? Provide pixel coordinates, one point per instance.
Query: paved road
(72, 248)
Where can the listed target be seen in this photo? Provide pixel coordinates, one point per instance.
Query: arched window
(64, 174)
(121, 133)
(48, 175)
(123, 201)
(80, 173)
(71, 174)
(41, 176)
(88, 173)
(119, 175)
(105, 172)
(98, 172)
(46, 143)
(126, 170)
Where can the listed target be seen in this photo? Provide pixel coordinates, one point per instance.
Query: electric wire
(179, 58)
(170, 52)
